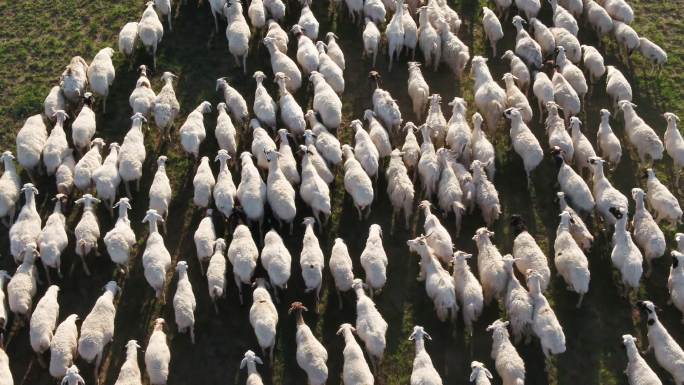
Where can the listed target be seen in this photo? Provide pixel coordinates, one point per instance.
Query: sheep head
(344, 327)
(297, 307)
(182, 266)
(250, 358)
(419, 333)
(161, 160)
(159, 324)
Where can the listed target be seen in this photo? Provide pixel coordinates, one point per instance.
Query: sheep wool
(129, 374)
(311, 354)
(44, 320)
(667, 351)
(157, 355)
(97, 329)
(355, 369)
(263, 317)
(423, 371)
(184, 302)
(277, 260)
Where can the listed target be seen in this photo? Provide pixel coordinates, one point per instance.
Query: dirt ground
(199, 55)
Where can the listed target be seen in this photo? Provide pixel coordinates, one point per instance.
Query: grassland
(37, 40)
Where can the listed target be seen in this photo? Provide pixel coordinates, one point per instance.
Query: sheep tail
(218, 292)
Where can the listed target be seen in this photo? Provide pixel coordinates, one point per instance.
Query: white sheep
(578, 228)
(490, 98)
(307, 54)
(291, 112)
(355, 369)
(468, 290)
(56, 144)
(593, 62)
(526, 251)
(607, 142)
(192, 132)
(121, 239)
(311, 354)
(142, 97)
(619, 10)
(101, 74)
(374, 261)
(394, 32)
(517, 302)
(365, 150)
(584, 151)
(626, 37)
(87, 230)
(544, 321)
(543, 36)
(662, 201)
(224, 192)
(307, 20)
(97, 329)
(203, 182)
(74, 79)
(277, 261)
(311, 260)
(371, 40)
(5, 371)
(667, 351)
(237, 105)
(274, 30)
(216, 273)
(334, 50)
(418, 89)
(519, 70)
(455, 53)
(617, 86)
(279, 192)
(166, 106)
(150, 31)
(83, 171)
(251, 192)
(435, 122)
(638, 372)
(216, 7)
(129, 374)
(410, 149)
(428, 164)
(542, 88)
(257, 14)
(184, 303)
(399, 187)
(314, 191)
(237, 32)
(156, 259)
(53, 239)
(243, 255)
(565, 96)
(280, 62)
(157, 355)
(640, 134)
(557, 133)
(570, 261)
(605, 195)
(410, 29)
(529, 7)
(54, 102)
(526, 47)
(325, 101)
(486, 196)
(264, 107)
(492, 28)
(572, 184)
(524, 142)
(490, 266)
(31, 140)
(261, 143)
(479, 374)
(132, 154)
(572, 74)
(128, 38)
(44, 320)
(26, 229)
(674, 145)
(160, 190)
(516, 99)
(564, 38)
(356, 181)
(106, 177)
(225, 131)
(72, 377)
(385, 106)
(319, 163)
(423, 371)
(370, 326)
(439, 238)
(481, 148)
(428, 39)
(64, 176)
(63, 346)
(646, 232)
(598, 18)
(458, 135)
(250, 361)
(204, 238)
(562, 18)
(330, 69)
(327, 144)
(341, 268)
(625, 255)
(508, 363)
(652, 51)
(10, 186)
(375, 10)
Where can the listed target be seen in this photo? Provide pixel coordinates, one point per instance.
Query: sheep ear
(258, 360)
(472, 376)
(243, 363)
(488, 373)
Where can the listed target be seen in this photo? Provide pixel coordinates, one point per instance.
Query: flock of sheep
(453, 163)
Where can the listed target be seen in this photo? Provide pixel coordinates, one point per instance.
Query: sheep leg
(85, 266)
(272, 351)
(339, 298)
(137, 185)
(169, 18)
(104, 104)
(216, 310)
(215, 20)
(579, 302)
(244, 64)
(238, 283)
(360, 213)
(192, 334)
(41, 360)
(47, 273)
(649, 267)
(128, 190)
(96, 369)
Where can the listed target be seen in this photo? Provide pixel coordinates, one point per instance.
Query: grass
(40, 37)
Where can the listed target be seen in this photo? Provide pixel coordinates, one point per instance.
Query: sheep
(652, 51)
(480, 375)
(128, 38)
(459, 136)
(449, 193)
(598, 18)
(675, 280)
(578, 229)
(517, 302)
(43, 321)
(529, 7)
(519, 70)
(251, 192)
(489, 266)
(97, 329)
(237, 33)
(428, 39)
(63, 346)
(370, 325)
(371, 40)
(661, 200)
(638, 371)
(543, 90)
(454, 52)
(341, 268)
(562, 18)
(355, 369)
(423, 371)
(418, 89)
(646, 232)
(515, 98)
(236, 103)
(279, 191)
(674, 145)
(410, 30)
(129, 374)
(26, 229)
(311, 354)
(468, 290)
(385, 106)
(410, 149)
(490, 98)
(584, 151)
(56, 144)
(667, 351)
(225, 131)
(74, 79)
(276, 259)
(160, 190)
(54, 102)
(243, 255)
(53, 239)
(374, 261)
(216, 7)
(573, 185)
(565, 96)
(85, 167)
(184, 302)
(435, 122)
(133, 154)
(326, 102)
(192, 132)
(101, 74)
(326, 143)
(157, 355)
(619, 10)
(308, 21)
(314, 190)
(165, 9)
(291, 112)
(509, 364)
(264, 108)
(87, 230)
(527, 254)
(330, 69)
(166, 106)
(311, 260)
(593, 62)
(626, 37)
(224, 192)
(72, 377)
(286, 160)
(5, 371)
(31, 140)
(204, 238)
(395, 33)
(357, 183)
(605, 195)
(564, 38)
(365, 150)
(4, 277)
(524, 142)
(428, 165)
(399, 187)
(106, 177)
(64, 176)
(10, 186)
(439, 240)
(607, 142)
(257, 14)
(216, 273)
(543, 36)
(378, 135)
(544, 321)
(261, 143)
(492, 28)
(526, 47)
(570, 261)
(281, 63)
(334, 51)
(307, 54)
(481, 148)
(375, 10)
(121, 239)
(156, 259)
(572, 74)
(439, 285)
(486, 196)
(250, 360)
(625, 255)
(641, 135)
(557, 133)
(274, 31)
(143, 96)
(203, 183)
